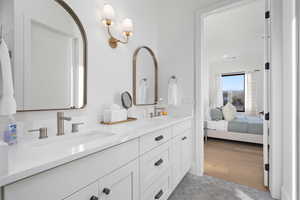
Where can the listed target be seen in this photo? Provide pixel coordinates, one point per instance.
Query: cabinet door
(181, 156)
(122, 184)
(176, 160)
(186, 147)
(88, 193)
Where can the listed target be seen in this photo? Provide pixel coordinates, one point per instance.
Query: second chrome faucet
(61, 123)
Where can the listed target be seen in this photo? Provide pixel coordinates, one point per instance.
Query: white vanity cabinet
(122, 184)
(73, 177)
(148, 167)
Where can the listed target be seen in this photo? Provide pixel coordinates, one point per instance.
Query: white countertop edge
(14, 177)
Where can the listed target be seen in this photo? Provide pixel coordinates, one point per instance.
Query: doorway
(242, 64)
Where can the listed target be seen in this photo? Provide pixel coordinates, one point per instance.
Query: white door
(267, 76)
(123, 184)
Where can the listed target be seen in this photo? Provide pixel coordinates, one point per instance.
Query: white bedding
(221, 125)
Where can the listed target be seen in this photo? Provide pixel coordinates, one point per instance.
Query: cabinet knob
(159, 162)
(159, 138)
(159, 194)
(184, 138)
(94, 198)
(106, 191)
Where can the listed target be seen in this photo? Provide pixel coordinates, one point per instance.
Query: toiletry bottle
(10, 132)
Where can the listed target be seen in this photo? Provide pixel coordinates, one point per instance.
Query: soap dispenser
(10, 132)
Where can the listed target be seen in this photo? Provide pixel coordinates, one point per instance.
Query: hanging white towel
(7, 100)
(143, 91)
(173, 94)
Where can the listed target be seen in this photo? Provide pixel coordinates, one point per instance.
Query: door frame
(276, 88)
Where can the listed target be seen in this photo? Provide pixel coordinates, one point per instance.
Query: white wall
(289, 100)
(277, 97)
(176, 34)
(109, 70)
(176, 44)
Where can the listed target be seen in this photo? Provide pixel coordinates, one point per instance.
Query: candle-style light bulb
(127, 27)
(108, 14)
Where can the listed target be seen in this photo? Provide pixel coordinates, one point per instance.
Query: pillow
(216, 114)
(229, 112)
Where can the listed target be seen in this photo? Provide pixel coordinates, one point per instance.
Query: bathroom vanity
(142, 160)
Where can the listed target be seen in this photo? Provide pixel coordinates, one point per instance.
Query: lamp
(108, 19)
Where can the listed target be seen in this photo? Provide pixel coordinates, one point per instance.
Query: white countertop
(28, 159)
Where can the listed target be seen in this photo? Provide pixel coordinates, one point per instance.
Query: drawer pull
(159, 138)
(94, 198)
(184, 138)
(159, 194)
(106, 191)
(159, 162)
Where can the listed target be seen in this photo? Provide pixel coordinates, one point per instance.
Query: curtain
(217, 90)
(253, 92)
(248, 93)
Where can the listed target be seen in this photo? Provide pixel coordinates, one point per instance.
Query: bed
(243, 128)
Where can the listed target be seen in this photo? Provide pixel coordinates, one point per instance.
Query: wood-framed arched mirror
(49, 54)
(145, 77)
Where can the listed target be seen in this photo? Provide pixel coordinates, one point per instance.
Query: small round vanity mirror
(126, 100)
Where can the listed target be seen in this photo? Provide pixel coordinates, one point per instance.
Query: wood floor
(237, 162)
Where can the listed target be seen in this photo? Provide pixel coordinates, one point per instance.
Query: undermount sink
(72, 139)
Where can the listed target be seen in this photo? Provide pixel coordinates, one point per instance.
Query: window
(233, 86)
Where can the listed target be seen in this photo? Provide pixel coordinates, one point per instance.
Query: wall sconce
(108, 19)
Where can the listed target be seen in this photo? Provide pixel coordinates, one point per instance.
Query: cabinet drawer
(86, 193)
(154, 139)
(62, 181)
(153, 164)
(160, 190)
(182, 127)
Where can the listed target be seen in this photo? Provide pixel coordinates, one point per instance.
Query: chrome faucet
(61, 123)
(43, 132)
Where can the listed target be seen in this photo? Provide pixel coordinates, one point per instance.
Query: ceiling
(237, 32)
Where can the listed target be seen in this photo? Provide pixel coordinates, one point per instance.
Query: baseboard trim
(194, 170)
(284, 194)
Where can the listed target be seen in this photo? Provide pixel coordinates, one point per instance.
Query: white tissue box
(114, 115)
(3, 158)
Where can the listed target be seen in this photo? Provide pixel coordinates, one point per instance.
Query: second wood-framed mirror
(145, 77)
(49, 54)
